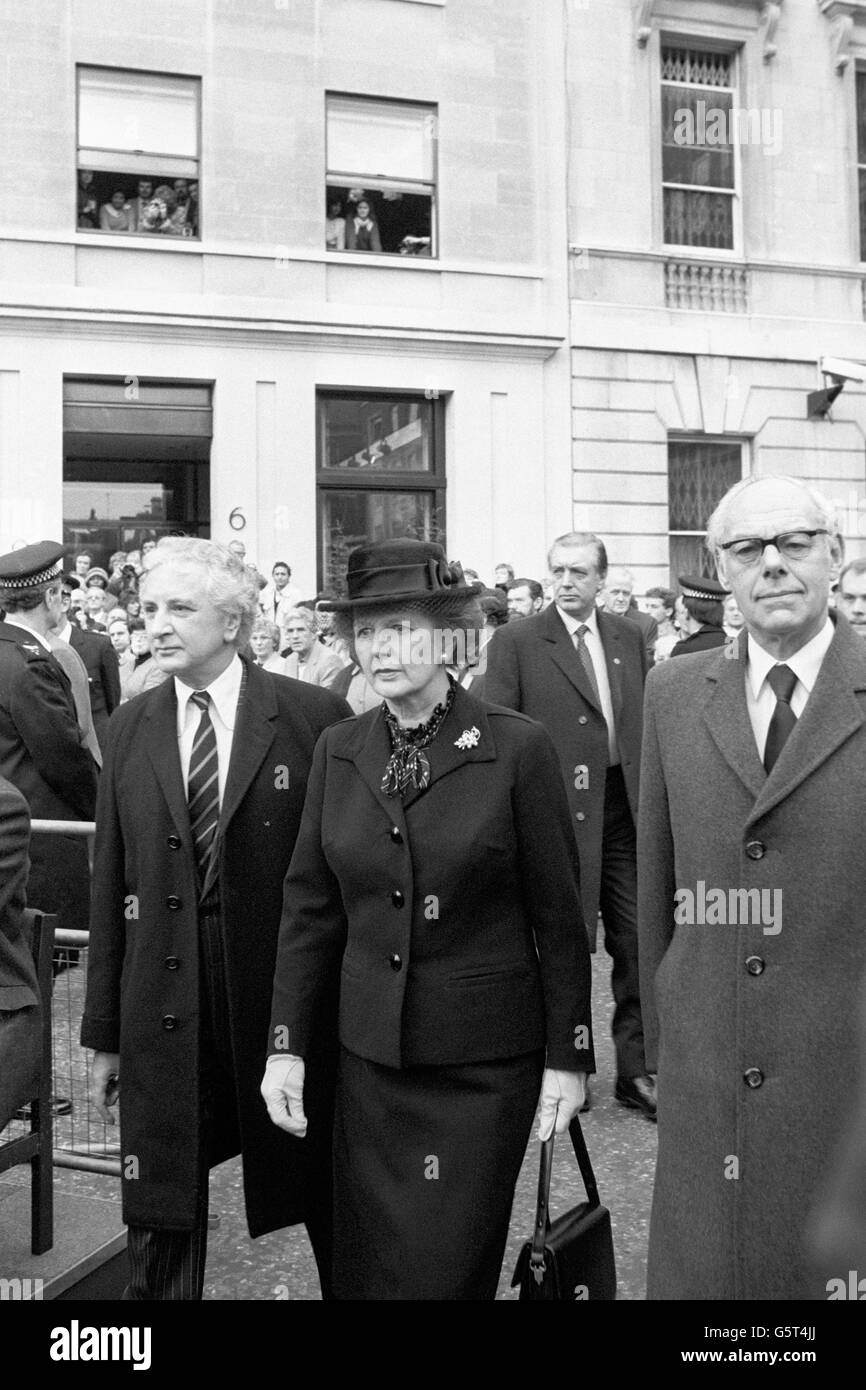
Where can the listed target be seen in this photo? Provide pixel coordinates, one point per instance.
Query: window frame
(734, 51)
(382, 183)
(859, 162)
(152, 238)
(696, 437)
(379, 480)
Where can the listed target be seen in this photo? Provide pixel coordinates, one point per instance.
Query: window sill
(136, 242)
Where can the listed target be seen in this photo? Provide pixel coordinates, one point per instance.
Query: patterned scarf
(408, 766)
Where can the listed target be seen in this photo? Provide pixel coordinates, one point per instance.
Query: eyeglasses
(794, 545)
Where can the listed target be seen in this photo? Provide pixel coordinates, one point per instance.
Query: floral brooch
(468, 739)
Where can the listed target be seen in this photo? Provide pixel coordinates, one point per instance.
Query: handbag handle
(542, 1207)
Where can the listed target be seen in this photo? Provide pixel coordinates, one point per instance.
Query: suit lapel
(253, 736)
(727, 717)
(163, 753)
(466, 723)
(564, 653)
(372, 749)
(609, 634)
(832, 714)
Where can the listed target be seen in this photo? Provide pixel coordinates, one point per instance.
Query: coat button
(171, 962)
(755, 849)
(396, 836)
(395, 962)
(173, 903)
(169, 1022)
(174, 842)
(755, 965)
(579, 815)
(582, 719)
(397, 898)
(753, 1078)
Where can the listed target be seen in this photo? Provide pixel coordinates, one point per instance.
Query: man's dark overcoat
(42, 755)
(753, 1031)
(533, 666)
(103, 676)
(144, 953)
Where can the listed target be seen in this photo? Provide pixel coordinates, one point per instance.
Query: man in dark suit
(699, 615)
(752, 947)
(618, 598)
(20, 1047)
(199, 806)
(41, 751)
(580, 672)
(103, 671)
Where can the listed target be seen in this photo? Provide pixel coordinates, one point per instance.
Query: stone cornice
(206, 330)
(843, 15)
(769, 13)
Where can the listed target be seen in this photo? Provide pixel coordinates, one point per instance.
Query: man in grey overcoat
(751, 898)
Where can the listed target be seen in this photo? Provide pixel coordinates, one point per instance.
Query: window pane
(699, 219)
(137, 111)
(383, 139)
(695, 138)
(699, 474)
(689, 555)
(861, 175)
(403, 221)
(152, 204)
(385, 435)
(861, 117)
(349, 519)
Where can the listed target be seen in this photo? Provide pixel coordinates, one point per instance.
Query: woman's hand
(562, 1095)
(283, 1091)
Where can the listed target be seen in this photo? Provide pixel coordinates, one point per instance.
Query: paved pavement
(281, 1266)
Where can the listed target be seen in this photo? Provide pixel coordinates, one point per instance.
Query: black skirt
(426, 1160)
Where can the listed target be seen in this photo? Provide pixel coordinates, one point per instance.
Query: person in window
(138, 205)
(335, 227)
(362, 233)
(116, 216)
(88, 208)
(174, 213)
(465, 976)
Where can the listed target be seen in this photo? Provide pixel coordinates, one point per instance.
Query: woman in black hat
(436, 872)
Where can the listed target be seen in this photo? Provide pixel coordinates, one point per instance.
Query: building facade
(717, 229)
(288, 271)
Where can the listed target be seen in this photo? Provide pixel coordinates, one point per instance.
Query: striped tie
(203, 793)
(586, 661)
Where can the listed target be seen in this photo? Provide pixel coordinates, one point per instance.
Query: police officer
(41, 750)
(699, 614)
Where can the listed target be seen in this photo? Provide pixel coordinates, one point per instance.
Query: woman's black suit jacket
(456, 911)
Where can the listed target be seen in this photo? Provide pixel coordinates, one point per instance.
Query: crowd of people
(352, 854)
(166, 208)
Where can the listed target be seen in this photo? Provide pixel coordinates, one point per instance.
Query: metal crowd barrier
(82, 1140)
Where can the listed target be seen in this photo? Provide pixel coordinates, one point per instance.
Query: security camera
(842, 368)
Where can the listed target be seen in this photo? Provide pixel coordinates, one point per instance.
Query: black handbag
(572, 1258)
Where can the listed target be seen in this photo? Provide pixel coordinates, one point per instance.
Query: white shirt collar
(224, 692)
(573, 623)
(805, 663)
(65, 633)
(21, 622)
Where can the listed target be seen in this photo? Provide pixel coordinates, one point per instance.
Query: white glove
(283, 1091)
(562, 1095)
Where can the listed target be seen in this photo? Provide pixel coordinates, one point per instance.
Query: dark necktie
(783, 680)
(586, 661)
(203, 794)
